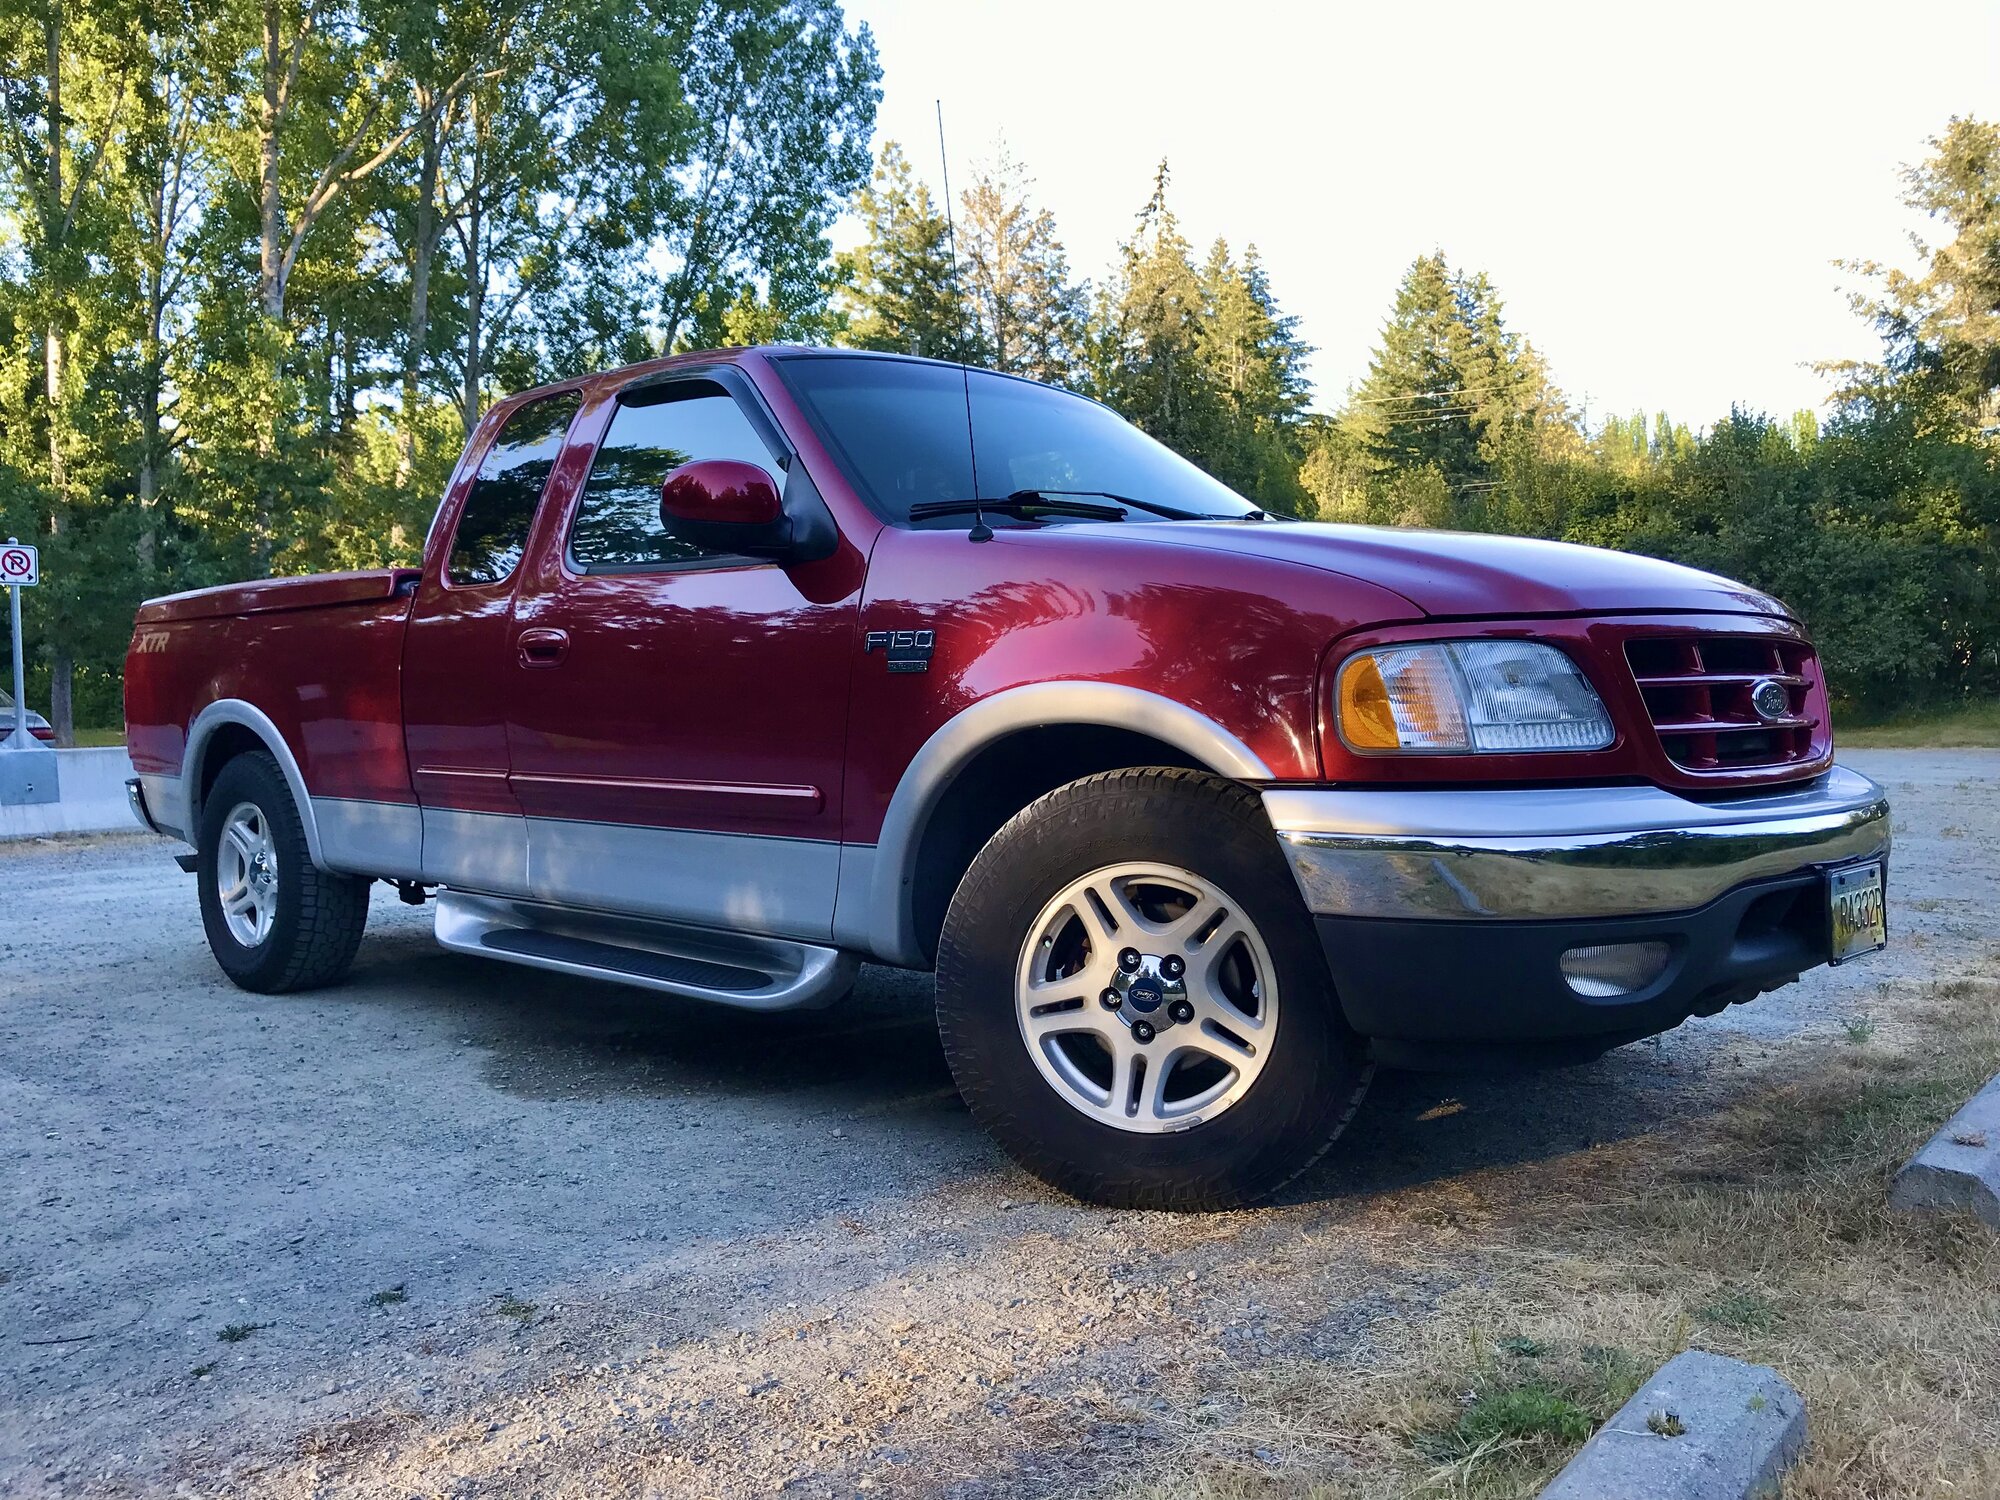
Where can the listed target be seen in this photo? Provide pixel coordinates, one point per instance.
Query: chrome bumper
(1555, 852)
(135, 793)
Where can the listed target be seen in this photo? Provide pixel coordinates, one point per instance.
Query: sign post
(19, 569)
(27, 766)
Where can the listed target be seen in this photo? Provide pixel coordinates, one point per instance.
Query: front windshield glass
(898, 429)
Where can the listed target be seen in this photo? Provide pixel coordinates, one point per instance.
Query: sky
(1658, 191)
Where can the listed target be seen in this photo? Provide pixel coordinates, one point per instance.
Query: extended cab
(726, 673)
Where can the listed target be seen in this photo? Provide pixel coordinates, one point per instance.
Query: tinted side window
(618, 521)
(493, 528)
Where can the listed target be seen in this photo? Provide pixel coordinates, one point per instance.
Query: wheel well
(1000, 780)
(221, 747)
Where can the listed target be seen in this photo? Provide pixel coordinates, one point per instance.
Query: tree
(65, 103)
(1450, 387)
(784, 98)
(903, 290)
(1030, 314)
(1940, 326)
(1150, 355)
(1256, 362)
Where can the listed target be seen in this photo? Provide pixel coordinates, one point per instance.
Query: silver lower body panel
(1568, 852)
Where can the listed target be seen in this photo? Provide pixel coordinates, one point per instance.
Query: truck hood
(1476, 574)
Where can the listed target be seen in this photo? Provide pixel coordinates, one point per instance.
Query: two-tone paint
(717, 746)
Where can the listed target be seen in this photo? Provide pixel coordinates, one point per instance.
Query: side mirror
(722, 505)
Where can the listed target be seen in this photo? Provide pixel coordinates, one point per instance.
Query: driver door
(677, 740)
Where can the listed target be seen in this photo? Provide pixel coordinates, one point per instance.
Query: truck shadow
(548, 1037)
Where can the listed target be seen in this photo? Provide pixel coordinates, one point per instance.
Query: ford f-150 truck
(726, 673)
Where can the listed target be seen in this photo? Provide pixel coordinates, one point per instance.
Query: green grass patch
(389, 1296)
(1740, 1309)
(1968, 726)
(236, 1333)
(1521, 1412)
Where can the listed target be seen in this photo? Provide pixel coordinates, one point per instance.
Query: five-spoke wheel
(246, 874)
(1147, 997)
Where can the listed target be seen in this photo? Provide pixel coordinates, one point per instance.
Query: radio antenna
(980, 532)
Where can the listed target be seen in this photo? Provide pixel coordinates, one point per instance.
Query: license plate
(1859, 915)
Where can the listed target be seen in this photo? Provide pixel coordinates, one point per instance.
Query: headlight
(1460, 697)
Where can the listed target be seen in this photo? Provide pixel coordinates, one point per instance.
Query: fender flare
(249, 716)
(883, 885)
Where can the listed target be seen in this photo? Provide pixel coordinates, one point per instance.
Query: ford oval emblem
(1769, 697)
(1145, 994)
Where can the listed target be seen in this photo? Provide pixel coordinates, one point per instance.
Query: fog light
(1601, 970)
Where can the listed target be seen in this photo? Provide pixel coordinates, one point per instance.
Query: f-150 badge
(905, 650)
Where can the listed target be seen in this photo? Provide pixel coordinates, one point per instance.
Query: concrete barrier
(91, 797)
(1703, 1428)
(1958, 1171)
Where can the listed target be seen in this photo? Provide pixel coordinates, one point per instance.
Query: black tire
(1311, 1083)
(318, 918)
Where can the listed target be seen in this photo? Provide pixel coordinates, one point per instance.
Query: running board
(755, 973)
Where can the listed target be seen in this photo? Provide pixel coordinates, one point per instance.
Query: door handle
(542, 647)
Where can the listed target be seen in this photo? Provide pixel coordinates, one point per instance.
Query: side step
(755, 973)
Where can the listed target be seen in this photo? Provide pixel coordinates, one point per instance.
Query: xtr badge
(904, 650)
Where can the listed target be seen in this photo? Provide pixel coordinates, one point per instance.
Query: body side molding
(873, 911)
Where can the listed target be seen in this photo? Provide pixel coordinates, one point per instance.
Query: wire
(980, 532)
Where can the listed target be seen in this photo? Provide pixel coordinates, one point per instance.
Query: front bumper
(1444, 913)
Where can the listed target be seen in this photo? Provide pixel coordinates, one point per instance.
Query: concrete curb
(1703, 1428)
(1958, 1170)
(91, 797)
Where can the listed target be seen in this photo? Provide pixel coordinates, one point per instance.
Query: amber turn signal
(1366, 721)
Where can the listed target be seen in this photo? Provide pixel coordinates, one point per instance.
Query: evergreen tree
(1449, 387)
(1256, 363)
(1152, 361)
(904, 293)
(1030, 314)
(1940, 326)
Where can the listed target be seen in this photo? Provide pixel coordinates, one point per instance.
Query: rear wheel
(1133, 999)
(275, 921)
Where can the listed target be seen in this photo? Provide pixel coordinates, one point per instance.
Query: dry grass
(1759, 1231)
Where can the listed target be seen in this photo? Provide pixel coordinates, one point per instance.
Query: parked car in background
(38, 726)
(725, 673)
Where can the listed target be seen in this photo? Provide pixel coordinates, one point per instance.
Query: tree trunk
(62, 709)
(52, 350)
(53, 221)
(152, 382)
(475, 311)
(417, 335)
(475, 283)
(271, 213)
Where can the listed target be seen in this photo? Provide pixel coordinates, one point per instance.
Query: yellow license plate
(1860, 914)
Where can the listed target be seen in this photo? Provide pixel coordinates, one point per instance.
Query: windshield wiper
(1170, 512)
(1022, 505)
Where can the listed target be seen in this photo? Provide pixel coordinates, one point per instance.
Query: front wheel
(1134, 1002)
(275, 921)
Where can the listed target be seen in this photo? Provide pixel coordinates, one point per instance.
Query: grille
(1698, 692)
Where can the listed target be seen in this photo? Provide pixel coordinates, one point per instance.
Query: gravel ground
(483, 1231)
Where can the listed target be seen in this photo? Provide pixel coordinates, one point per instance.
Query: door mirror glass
(725, 505)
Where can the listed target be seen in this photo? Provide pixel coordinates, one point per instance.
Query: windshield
(897, 427)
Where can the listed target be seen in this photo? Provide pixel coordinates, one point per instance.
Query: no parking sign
(20, 566)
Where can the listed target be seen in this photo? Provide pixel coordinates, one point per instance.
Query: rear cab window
(500, 508)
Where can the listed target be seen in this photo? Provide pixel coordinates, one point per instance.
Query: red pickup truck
(726, 673)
